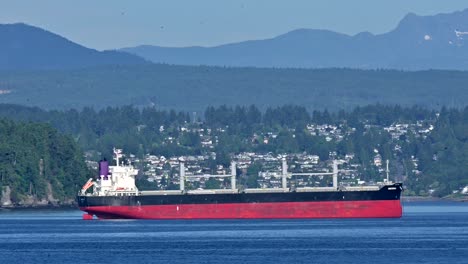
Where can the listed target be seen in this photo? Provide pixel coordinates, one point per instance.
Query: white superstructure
(118, 180)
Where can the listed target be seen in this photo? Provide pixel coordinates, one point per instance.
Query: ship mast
(117, 154)
(387, 171)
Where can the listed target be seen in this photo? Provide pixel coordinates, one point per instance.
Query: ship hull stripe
(276, 210)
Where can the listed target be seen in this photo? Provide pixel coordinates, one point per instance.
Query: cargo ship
(115, 196)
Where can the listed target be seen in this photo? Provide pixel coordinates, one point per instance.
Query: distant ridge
(27, 47)
(417, 43)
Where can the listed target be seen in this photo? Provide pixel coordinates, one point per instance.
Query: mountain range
(26, 47)
(417, 43)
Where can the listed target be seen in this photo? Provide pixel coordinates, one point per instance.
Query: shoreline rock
(32, 203)
(40, 207)
(5, 196)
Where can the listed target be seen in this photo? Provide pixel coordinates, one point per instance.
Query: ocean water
(427, 233)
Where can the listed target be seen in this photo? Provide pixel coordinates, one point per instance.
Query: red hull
(326, 209)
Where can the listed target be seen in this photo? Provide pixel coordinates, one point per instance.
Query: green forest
(39, 164)
(441, 153)
(190, 88)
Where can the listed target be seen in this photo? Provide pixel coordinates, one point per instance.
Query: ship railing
(124, 193)
(161, 192)
(176, 192)
(360, 188)
(213, 191)
(315, 189)
(265, 190)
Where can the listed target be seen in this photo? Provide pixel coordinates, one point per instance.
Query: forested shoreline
(38, 165)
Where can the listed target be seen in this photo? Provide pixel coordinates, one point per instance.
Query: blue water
(427, 233)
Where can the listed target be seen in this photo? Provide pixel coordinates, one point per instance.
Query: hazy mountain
(27, 47)
(418, 42)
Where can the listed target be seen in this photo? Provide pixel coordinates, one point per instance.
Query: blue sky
(102, 24)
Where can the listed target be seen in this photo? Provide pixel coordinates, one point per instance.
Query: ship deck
(262, 190)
